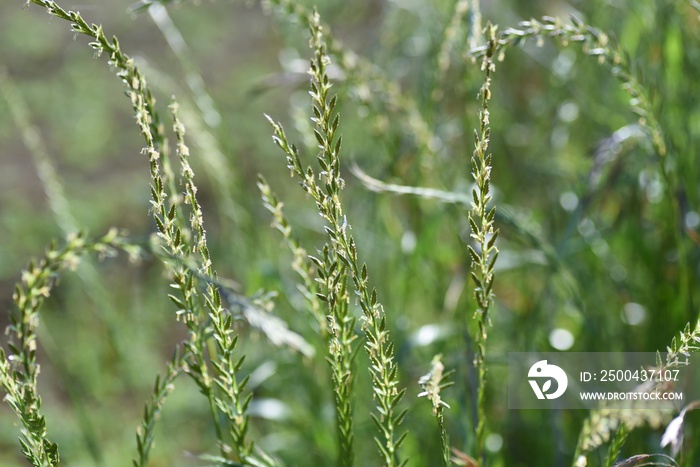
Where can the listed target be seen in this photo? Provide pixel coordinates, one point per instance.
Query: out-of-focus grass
(581, 252)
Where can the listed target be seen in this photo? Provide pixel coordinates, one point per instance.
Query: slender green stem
(484, 253)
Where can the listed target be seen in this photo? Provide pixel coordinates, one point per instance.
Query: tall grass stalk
(343, 247)
(87, 272)
(147, 119)
(222, 176)
(485, 252)
(230, 400)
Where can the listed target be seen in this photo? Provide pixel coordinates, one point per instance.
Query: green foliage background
(632, 237)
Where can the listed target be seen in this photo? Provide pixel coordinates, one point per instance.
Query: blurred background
(599, 235)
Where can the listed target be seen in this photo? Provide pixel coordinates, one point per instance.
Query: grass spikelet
(19, 368)
(433, 383)
(688, 341)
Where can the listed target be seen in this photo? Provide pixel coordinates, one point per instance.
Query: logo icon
(547, 372)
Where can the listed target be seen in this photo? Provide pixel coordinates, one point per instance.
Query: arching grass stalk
(596, 43)
(19, 369)
(484, 252)
(180, 241)
(126, 71)
(341, 258)
(105, 310)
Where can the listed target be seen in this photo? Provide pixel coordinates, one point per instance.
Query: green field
(302, 307)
